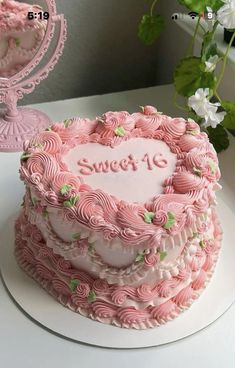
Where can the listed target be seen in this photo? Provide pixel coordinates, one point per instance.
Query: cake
(118, 221)
(20, 37)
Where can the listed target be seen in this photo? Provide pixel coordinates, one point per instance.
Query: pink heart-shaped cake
(118, 221)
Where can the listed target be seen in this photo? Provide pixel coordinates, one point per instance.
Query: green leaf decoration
(163, 255)
(17, 41)
(39, 145)
(189, 75)
(202, 244)
(150, 27)
(25, 156)
(65, 189)
(91, 247)
(45, 214)
(34, 200)
(148, 217)
(195, 235)
(140, 257)
(229, 119)
(67, 122)
(218, 137)
(200, 6)
(120, 131)
(197, 171)
(71, 202)
(76, 236)
(91, 297)
(75, 199)
(48, 129)
(73, 284)
(213, 166)
(170, 221)
(67, 204)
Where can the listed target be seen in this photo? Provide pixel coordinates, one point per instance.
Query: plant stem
(190, 48)
(224, 63)
(183, 108)
(153, 6)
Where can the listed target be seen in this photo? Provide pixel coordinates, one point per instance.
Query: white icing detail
(121, 184)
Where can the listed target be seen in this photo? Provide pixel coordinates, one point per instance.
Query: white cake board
(214, 301)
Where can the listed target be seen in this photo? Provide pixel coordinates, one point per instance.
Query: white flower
(205, 109)
(199, 102)
(213, 119)
(211, 63)
(226, 14)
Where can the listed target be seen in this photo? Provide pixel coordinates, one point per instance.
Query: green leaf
(76, 236)
(120, 131)
(140, 257)
(91, 297)
(200, 6)
(170, 221)
(189, 75)
(74, 200)
(45, 214)
(163, 255)
(197, 171)
(67, 122)
(218, 137)
(25, 156)
(202, 244)
(229, 119)
(209, 47)
(67, 204)
(71, 202)
(150, 28)
(148, 217)
(48, 129)
(91, 247)
(73, 284)
(65, 189)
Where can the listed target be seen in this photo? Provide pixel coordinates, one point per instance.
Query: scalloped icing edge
(148, 323)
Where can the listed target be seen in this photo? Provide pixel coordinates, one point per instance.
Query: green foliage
(229, 120)
(73, 284)
(200, 6)
(163, 255)
(91, 297)
(218, 137)
(65, 189)
(148, 217)
(209, 47)
(67, 122)
(170, 220)
(120, 131)
(190, 75)
(71, 202)
(140, 258)
(150, 28)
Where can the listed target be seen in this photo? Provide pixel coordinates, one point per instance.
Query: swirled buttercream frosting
(118, 221)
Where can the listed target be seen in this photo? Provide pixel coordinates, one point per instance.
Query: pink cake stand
(20, 124)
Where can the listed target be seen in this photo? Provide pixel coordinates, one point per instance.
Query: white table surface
(23, 344)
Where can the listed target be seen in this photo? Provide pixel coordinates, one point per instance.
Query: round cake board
(41, 307)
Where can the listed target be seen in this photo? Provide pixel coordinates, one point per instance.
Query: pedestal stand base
(14, 132)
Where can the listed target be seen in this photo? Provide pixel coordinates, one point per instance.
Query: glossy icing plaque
(133, 171)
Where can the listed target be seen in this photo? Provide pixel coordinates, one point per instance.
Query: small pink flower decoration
(83, 290)
(160, 218)
(151, 259)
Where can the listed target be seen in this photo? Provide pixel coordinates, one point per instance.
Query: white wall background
(103, 54)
